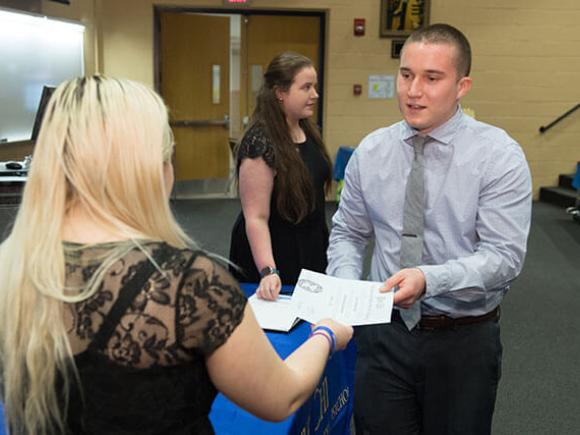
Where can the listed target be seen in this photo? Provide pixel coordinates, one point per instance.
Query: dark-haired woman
(283, 169)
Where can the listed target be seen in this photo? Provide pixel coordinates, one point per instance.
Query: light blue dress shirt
(477, 216)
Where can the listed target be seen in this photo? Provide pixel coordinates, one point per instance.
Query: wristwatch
(269, 270)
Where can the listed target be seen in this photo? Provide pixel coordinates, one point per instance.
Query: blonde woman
(110, 320)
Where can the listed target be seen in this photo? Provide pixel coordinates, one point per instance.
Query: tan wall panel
(526, 65)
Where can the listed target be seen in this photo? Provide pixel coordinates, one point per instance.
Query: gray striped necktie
(413, 225)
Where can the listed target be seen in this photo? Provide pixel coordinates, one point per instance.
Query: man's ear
(464, 86)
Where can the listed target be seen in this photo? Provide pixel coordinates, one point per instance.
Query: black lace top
(254, 144)
(140, 352)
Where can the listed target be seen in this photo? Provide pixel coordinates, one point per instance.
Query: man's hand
(411, 284)
(269, 287)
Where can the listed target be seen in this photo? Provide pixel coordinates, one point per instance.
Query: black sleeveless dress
(141, 340)
(295, 246)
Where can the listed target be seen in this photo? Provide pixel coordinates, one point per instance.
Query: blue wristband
(330, 334)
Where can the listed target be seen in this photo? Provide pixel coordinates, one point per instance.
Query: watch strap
(269, 270)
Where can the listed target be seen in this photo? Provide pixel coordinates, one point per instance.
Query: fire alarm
(357, 90)
(359, 27)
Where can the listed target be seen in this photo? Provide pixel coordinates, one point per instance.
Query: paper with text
(278, 315)
(352, 302)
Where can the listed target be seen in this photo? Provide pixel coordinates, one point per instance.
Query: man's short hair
(446, 34)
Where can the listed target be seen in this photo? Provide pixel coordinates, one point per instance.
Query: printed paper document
(278, 315)
(352, 302)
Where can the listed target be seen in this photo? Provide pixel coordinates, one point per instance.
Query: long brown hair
(295, 197)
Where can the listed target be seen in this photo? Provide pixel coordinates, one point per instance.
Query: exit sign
(237, 2)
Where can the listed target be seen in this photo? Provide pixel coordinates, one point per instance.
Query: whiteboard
(34, 51)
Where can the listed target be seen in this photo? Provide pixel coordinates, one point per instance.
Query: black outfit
(140, 348)
(406, 370)
(294, 246)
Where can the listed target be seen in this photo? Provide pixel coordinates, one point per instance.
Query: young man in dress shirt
(441, 376)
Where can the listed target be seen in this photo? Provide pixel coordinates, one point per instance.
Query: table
(328, 411)
(12, 183)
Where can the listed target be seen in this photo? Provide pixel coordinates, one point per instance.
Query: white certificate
(275, 315)
(352, 302)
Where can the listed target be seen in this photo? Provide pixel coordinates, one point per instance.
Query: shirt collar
(443, 134)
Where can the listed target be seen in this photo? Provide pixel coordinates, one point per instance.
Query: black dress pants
(427, 382)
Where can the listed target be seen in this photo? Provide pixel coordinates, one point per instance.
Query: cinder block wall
(526, 67)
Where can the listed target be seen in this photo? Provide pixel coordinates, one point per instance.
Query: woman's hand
(269, 287)
(342, 333)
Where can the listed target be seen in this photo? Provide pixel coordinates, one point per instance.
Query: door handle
(225, 123)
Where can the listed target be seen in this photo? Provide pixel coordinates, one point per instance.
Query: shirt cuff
(436, 280)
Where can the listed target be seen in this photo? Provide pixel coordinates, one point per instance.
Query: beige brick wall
(526, 67)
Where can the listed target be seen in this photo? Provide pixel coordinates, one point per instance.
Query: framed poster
(400, 17)
(381, 87)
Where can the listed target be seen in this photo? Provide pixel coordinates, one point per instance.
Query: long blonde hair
(102, 146)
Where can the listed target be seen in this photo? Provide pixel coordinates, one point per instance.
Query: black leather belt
(433, 323)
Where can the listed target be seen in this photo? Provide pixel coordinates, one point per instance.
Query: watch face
(268, 270)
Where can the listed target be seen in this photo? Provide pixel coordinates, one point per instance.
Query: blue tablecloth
(576, 179)
(2, 430)
(328, 411)
(343, 155)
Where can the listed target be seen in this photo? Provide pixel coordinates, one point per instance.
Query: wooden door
(265, 36)
(195, 50)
